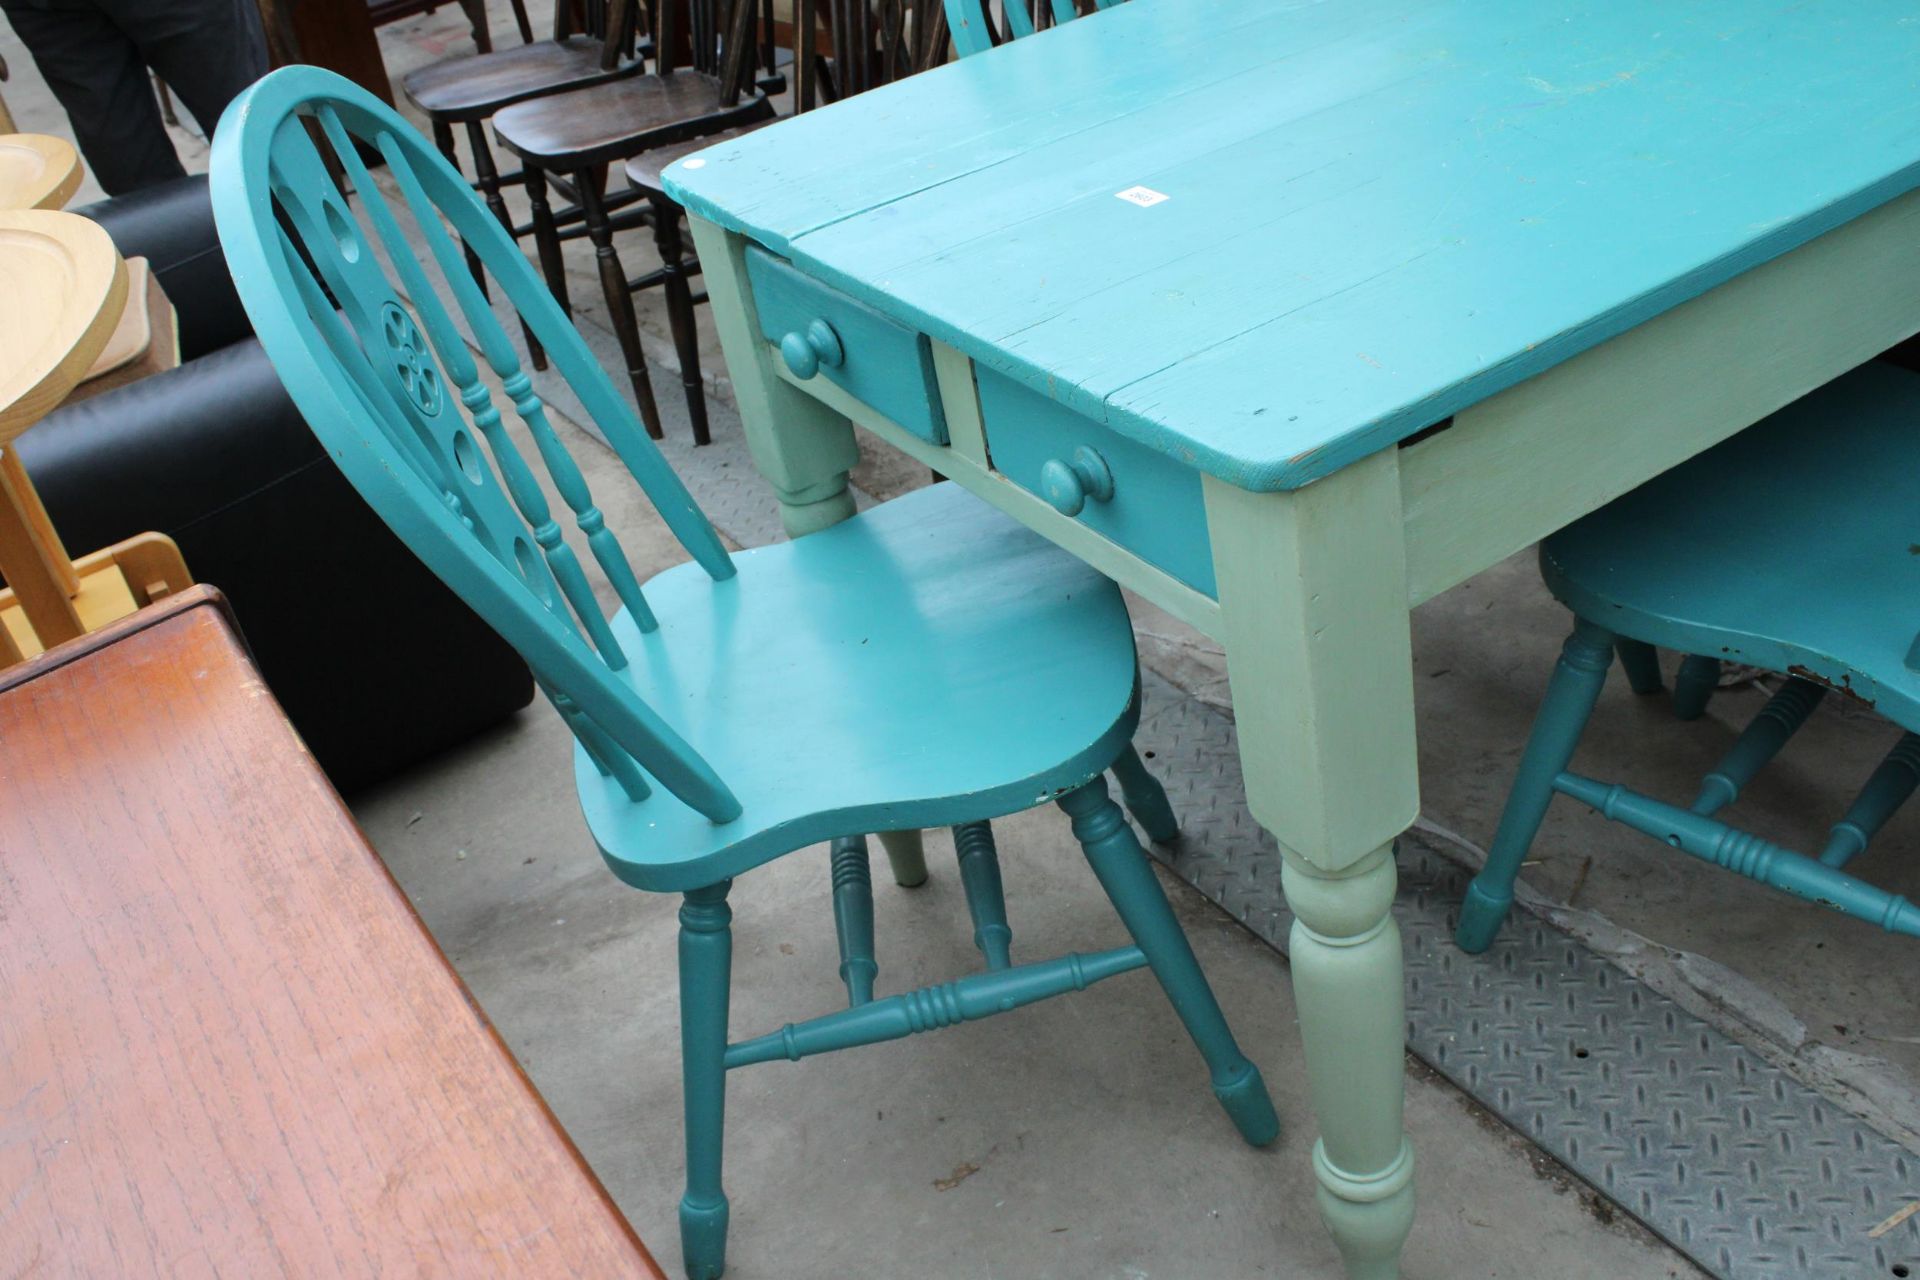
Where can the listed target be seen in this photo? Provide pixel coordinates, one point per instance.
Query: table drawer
(821, 332)
(1139, 498)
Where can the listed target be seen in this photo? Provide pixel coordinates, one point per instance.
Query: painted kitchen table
(1291, 316)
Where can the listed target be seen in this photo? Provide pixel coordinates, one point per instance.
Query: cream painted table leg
(803, 448)
(1313, 599)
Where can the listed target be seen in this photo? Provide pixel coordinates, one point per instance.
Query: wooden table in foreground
(229, 1046)
(1291, 316)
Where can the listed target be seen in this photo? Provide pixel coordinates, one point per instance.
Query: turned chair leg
(853, 917)
(1693, 685)
(520, 20)
(706, 967)
(476, 11)
(986, 900)
(1577, 680)
(907, 856)
(546, 237)
(613, 284)
(1641, 663)
(686, 339)
(488, 177)
(1120, 864)
(1145, 798)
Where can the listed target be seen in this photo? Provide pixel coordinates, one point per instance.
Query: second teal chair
(1794, 547)
(972, 24)
(927, 663)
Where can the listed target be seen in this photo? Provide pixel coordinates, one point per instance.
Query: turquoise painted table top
(1271, 238)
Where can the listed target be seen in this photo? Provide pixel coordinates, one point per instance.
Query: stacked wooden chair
(1791, 548)
(466, 92)
(571, 139)
(926, 663)
(901, 37)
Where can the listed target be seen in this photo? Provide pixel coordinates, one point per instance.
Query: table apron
(1534, 458)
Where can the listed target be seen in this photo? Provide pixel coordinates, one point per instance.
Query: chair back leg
(1694, 684)
(1577, 679)
(986, 900)
(853, 917)
(1641, 662)
(1120, 864)
(706, 973)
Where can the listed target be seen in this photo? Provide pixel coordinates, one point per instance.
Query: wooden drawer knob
(806, 350)
(1067, 485)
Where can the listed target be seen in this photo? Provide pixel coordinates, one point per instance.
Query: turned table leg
(1313, 599)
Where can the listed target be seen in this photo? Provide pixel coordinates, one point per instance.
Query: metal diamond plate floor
(1727, 1158)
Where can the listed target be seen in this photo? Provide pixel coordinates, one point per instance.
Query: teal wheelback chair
(926, 663)
(1794, 547)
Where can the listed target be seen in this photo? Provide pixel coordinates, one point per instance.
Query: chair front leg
(706, 972)
(1120, 864)
(1571, 693)
(1146, 799)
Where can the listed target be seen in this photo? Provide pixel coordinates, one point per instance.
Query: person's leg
(206, 50)
(95, 71)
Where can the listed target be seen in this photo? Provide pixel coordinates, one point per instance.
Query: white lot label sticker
(1142, 196)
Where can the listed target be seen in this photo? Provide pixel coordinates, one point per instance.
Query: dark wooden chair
(468, 91)
(385, 11)
(571, 138)
(900, 38)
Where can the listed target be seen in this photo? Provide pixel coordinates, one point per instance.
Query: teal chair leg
(1888, 789)
(853, 917)
(1121, 866)
(1695, 682)
(1146, 799)
(1641, 663)
(986, 901)
(706, 969)
(1571, 693)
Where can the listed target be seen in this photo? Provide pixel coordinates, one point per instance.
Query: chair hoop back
(370, 348)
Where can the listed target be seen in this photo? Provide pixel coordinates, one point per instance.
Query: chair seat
(476, 87)
(613, 121)
(927, 663)
(644, 170)
(1794, 546)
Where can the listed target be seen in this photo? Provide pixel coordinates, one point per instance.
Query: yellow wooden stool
(66, 287)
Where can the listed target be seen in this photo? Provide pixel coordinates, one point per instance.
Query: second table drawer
(1133, 495)
(822, 332)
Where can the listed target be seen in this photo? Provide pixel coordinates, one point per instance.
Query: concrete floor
(1077, 1138)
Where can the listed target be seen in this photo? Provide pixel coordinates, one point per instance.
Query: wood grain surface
(229, 1046)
